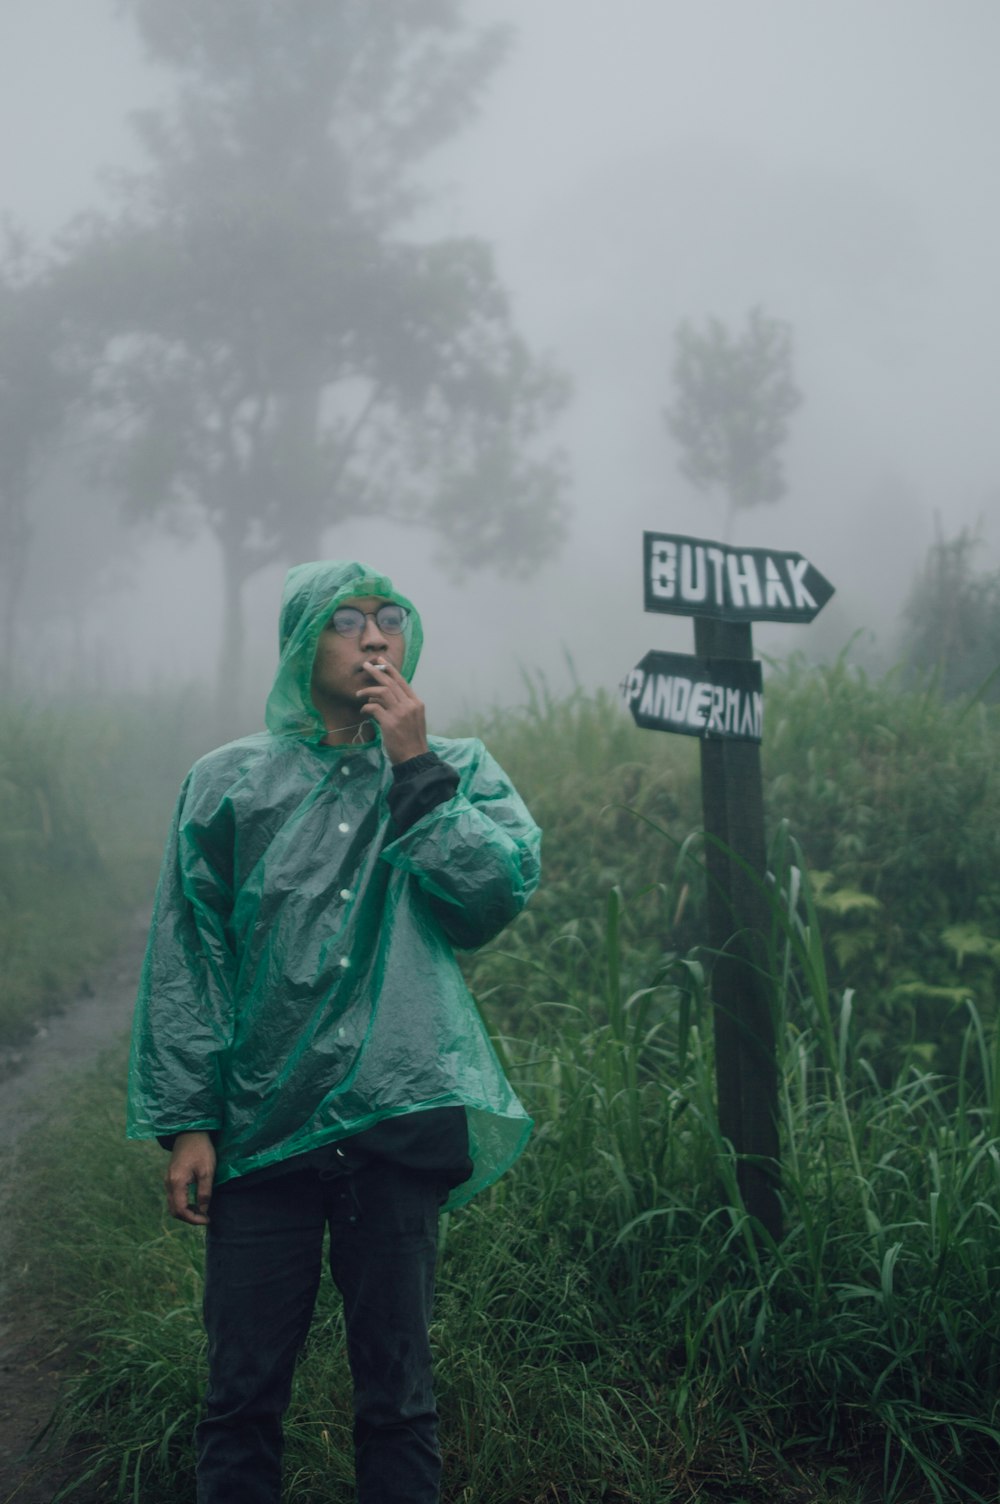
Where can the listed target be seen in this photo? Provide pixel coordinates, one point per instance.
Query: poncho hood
(312, 593)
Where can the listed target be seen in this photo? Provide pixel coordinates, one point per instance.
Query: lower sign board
(717, 697)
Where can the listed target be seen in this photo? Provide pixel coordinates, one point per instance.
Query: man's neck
(341, 735)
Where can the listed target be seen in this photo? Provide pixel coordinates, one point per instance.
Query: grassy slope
(608, 1326)
(85, 794)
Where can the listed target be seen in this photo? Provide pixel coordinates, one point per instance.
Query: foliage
(35, 393)
(277, 347)
(952, 622)
(894, 796)
(733, 397)
(586, 770)
(610, 1325)
(85, 794)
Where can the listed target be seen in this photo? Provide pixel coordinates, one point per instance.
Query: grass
(85, 793)
(610, 1323)
(895, 796)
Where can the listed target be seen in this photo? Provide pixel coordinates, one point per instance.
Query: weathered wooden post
(717, 696)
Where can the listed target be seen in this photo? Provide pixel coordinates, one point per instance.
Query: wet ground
(33, 1354)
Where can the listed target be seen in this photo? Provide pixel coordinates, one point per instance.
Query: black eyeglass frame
(359, 617)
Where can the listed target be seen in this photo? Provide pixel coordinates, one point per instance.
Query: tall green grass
(893, 794)
(611, 1325)
(895, 797)
(85, 793)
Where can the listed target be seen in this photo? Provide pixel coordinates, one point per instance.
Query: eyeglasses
(349, 621)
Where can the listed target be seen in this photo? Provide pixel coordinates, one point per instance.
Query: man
(304, 1043)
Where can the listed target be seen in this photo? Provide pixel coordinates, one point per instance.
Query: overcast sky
(637, 162)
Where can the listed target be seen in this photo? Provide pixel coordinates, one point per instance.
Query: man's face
(339, 666)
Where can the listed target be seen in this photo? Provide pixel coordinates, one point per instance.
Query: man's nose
(372, 636)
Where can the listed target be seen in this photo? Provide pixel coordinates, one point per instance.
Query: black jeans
(262, 1271)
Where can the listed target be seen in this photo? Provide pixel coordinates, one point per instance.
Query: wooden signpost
(717, 696)
(697, 696)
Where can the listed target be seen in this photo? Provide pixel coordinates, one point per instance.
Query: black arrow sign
(697, 577)
(706, 697)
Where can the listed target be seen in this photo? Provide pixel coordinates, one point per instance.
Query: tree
(274, 355)
(951, 621)
(36, 390)
(733, 397)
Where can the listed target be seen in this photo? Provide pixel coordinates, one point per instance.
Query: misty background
(632, 166)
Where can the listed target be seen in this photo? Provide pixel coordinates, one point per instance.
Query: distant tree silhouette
(951, 621)
(36, 391)
(277, 347)
(733, 396)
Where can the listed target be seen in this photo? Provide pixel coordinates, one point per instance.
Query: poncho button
(343, 827)
(346, 893)
(344, 961)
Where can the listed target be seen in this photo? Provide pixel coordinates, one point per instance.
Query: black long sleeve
(418, 785)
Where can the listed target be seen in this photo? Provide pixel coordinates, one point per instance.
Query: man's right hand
(192, 1164)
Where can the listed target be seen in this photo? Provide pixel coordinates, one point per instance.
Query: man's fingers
(189, 1180)
(203, 1190)
(385, 674)
(388, 689)
(184, 1205)
(189, 1200)
(381, 695)
(193, 1218)
(399, 711)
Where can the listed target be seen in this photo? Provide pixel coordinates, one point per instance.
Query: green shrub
(85, 796)
(894, 797)
(611, 1325)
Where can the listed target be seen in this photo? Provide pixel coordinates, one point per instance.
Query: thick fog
(633, 164)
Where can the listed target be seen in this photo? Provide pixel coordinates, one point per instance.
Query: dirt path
(33, 1355)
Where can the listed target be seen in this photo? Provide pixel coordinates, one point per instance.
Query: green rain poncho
(299, 982)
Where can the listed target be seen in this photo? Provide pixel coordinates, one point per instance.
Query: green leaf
(969, 940)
